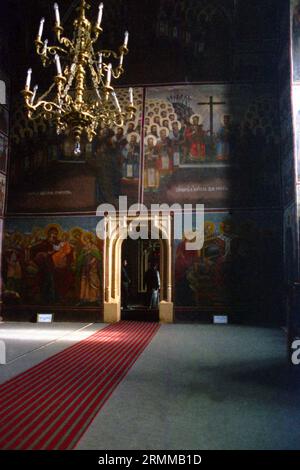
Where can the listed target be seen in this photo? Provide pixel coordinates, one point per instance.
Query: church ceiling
(170, 40)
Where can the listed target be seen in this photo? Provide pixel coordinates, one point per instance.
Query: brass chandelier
(84, 98)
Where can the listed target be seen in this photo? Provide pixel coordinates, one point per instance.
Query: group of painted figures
(170, 141)
(50, 266)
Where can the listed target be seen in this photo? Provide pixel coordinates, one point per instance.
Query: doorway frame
(118, 226)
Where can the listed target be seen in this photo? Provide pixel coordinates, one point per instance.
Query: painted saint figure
(88, 270)
(195, 139)
(165, 163)
(223, 138)
(131, 156)
(151, 163)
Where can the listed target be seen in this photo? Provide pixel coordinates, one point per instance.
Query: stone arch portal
(118, 227)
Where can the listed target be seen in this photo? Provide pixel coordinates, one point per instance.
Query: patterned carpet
(51, 405)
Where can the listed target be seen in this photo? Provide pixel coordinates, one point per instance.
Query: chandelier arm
(107, 53)
(97, 31)
(42, 109)
(123, 50)
(117, 72)
(44, 51)
(55, 49)
(61, 39)
(47, 92)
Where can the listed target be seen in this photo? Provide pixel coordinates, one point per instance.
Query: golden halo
(150, 136)
(209, 228)
(178, 122)
(154, 124)
(16, 237)
(198, 116)
(166, 129)
(130, 122)
(87, 236)
(169, 122)
(56, 227)
(128, 137)
(74, 231)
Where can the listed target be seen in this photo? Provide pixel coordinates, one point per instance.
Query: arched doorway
(139, 256)
(118, 228)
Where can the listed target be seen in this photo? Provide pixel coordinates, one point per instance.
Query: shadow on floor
(140, 314)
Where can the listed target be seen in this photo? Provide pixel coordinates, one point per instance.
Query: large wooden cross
(211, 105)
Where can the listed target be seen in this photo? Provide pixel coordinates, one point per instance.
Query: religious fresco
(295, 22)
(290, 243)
(52, 261)
(240, 264)
(46, 176)
(211, 144)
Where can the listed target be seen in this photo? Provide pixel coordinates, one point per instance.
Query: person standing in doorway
(125, 282)
(152, 282)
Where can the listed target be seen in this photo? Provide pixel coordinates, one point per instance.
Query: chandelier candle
(28, 79)
(87, 73)
(35, 89)
(131, 96)
(57, 15)
(40, 33)
(45, 46)
(100, 61)
(126, 39)
(116, 101)
(108, 79)
(100, 13)
(58, 66)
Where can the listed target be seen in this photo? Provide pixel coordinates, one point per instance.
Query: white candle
(41, 28)
(35, 89)
(100, 13)
(121, 60)
(131, 96)
(126, 38)
(116, 101)
(57, 16)
(58, 66)
(28, 80)
(108, 79)
(100, 61)
(45, 46)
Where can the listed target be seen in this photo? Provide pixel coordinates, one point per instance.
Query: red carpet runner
(52, 404)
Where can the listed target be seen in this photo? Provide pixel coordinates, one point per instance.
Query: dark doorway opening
(140, 254)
